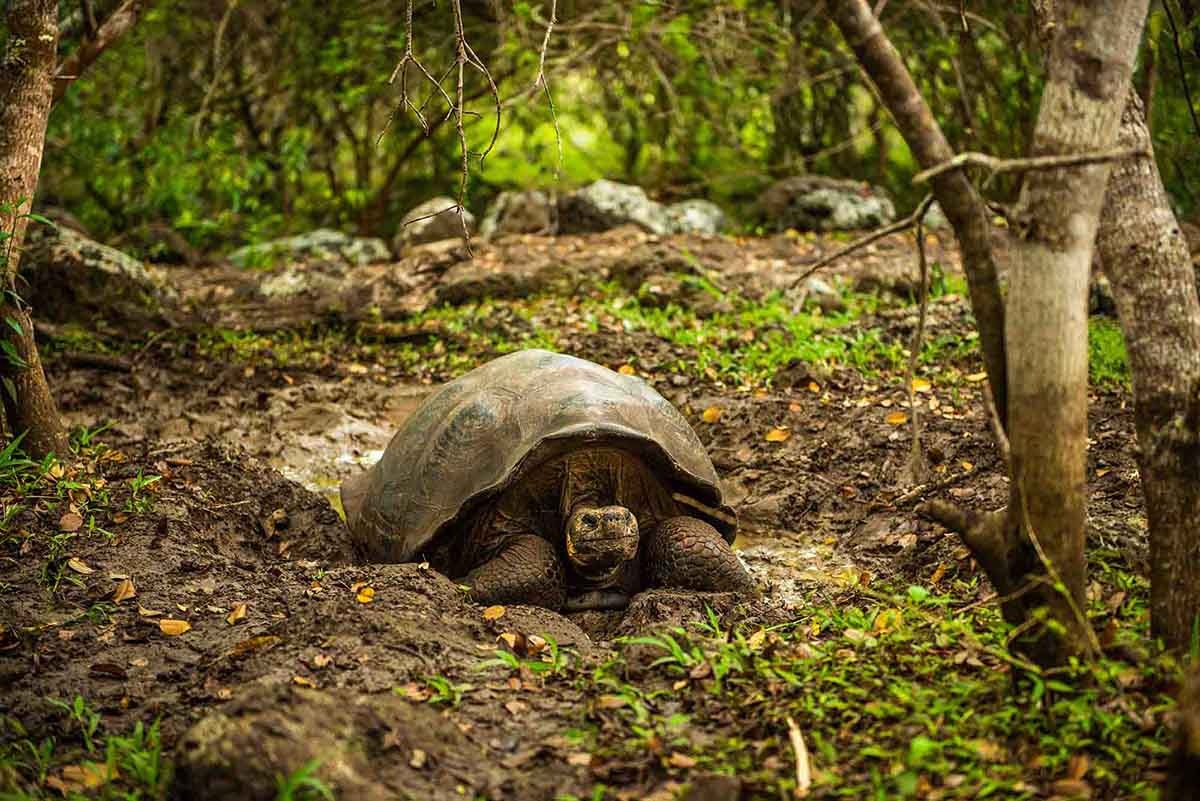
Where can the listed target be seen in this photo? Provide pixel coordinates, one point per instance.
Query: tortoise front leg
(526, 570)
(687, 553)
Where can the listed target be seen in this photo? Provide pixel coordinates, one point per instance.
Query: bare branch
(996, 166)
(113, 28)
(874, 236)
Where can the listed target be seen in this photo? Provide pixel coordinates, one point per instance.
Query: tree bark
(113, 28)
(955, 194)
(1185, 762)
(1088, 74)
(26, 91)
(1147, 262)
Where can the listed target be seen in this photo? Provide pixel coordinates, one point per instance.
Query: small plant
(302, 784)
(444, 691)
(139, 500)
(87, 719)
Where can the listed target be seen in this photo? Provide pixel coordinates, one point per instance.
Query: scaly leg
(687, 553)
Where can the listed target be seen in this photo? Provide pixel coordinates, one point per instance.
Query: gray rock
(296, 281)
(530, 212)
(322, 244)
(936, 218)
(69, 277)
(431, 222)
(818, 203)
(607, 204)
(696, 216)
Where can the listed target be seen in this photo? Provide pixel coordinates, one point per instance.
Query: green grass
(897, 695)
(81, 762)
(1108, 363)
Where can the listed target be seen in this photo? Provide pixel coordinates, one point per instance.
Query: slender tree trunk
(1033, 551)
(26, 92)
(1088, 74)
(957, 197)
(1147, 261)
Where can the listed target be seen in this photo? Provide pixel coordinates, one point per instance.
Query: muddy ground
(288, 658)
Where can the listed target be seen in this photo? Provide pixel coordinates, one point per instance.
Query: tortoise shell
(480, 433)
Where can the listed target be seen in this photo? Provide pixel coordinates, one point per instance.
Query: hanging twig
(1187, 90)
(917, 467)
(997, 165)
(540, 80)
(874, 236)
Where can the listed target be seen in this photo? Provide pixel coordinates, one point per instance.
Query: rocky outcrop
(320, 245)
(432, 221)
(819, 203)
(530, 212)
(604, 205)
(70, 278)
(696, 216)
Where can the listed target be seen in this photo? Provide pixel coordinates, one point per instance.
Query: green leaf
(14, 358)
(15, 326)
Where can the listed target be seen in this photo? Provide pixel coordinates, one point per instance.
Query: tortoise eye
(590, 520)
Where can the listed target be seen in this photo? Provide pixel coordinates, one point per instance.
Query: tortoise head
(600, 539)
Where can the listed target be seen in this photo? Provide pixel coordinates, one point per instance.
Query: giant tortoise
(545, 479)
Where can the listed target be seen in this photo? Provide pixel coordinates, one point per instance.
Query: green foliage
(302, 784)
(280, 131)
(112, 767)
(1108, 363)
(897, 695)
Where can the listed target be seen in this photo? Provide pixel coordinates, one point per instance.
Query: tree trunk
(1032, 552)
(1185, 762)
(955, 194)
(1088, 73)
(1147, 261)
(26, 92)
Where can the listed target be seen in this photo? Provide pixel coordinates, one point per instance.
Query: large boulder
(696, 216)
(432, 221)
(529, 212)
(604, 204)
(322, 244)
(70, 278)
(818, 203)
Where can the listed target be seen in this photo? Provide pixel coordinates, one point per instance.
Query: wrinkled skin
(587, 531)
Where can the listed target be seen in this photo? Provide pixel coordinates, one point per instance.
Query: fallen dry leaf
(579, 758)
(680, 760)
(144, 612)
(626, 369)
(322, 660)
(237, 613)
(304, 681)
(365, 595)
(921, 385)
(896, 418)
(611, 702)
(711, 415)
(778, 435)
(419, 758)
(79, 566)
(887, 620)
(70, 522)
(814, 387)
(975, 378)
(493, 613)
(124, 591)
(173, 628)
